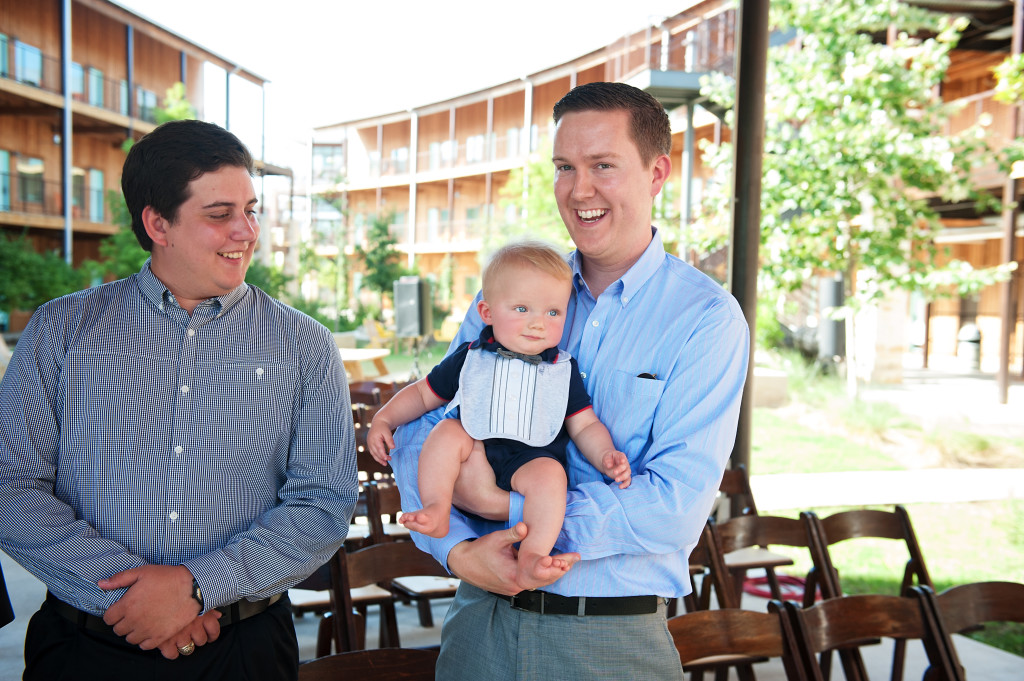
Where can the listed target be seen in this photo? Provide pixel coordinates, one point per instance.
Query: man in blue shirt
(176, 448)
(663, 351)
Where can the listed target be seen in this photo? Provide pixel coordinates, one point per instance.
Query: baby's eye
(552, 313)
(520, 308)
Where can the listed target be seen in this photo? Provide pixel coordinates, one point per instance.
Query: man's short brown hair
(649, 124)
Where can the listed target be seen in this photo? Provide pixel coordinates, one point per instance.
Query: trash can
(968, 347)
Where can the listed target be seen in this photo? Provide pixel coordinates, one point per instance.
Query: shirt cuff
(515, 508)
(213, 573)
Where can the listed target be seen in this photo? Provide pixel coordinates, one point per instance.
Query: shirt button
(173, 516)
(625, 299)
(178, 450)
(596, 323)
(184, 389)
(583, 374)
(191, 332)
(259, 371)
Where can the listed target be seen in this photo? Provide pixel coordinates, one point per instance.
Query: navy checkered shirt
(133, 433)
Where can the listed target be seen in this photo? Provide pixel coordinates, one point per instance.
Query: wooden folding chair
(744, 542)
(384, 664)
(709, 639)
(861, 524)
(838, 623)
(967, 608)
(735, 485)
(385, 501)
(362, 578)
(367, 466)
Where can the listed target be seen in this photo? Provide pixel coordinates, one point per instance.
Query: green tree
(381, 260)
(176, 105)
(29, 278)
(855, 142)
(529, 194)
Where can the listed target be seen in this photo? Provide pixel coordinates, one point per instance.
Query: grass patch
(784, 445)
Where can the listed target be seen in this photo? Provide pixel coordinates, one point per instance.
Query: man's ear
(156, 226)
(660, 171)
(485, 312)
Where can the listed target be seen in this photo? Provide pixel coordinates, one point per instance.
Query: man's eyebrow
(229, 204)
(591, 157)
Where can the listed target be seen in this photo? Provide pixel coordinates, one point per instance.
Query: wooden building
(77, 79)
(437, 170)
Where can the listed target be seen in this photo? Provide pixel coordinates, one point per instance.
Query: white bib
(513, 399)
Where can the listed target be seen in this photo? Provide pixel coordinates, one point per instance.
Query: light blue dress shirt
(133, 433)
(662, 318)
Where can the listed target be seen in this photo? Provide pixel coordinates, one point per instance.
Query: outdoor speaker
(413, 309)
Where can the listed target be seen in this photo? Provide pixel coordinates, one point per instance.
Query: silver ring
(188, 649)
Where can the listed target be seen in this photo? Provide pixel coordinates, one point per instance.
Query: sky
(330, 61)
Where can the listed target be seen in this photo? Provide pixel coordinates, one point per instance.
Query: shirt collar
(634, 278)
(487, 342)
(156, 292)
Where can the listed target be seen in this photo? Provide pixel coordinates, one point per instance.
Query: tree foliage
(528, 195)
(29, 278)
(855, 142)
(381, 260)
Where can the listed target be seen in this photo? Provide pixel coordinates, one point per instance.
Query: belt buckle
(524, 602)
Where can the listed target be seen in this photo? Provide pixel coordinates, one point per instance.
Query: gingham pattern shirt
(663, 318)
(133, 433)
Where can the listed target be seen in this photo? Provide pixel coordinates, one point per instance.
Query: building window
(400, 160)
(96, 213)
(30, 180)
(435, 155)
(512, 142)
(95, 87)
(28, 63)
(123, 97)
(147, 106)
(328, 162)
(78, 193)
(5, 180)
(77, 82)
(475, 149)
(4, 66)
(449, 150)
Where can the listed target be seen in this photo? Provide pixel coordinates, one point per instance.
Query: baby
(520, 399)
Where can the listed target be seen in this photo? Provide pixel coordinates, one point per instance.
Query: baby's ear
(485, 311)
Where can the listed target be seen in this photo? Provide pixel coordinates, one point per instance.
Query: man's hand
(157, 605)
(490, 562)
(200, 631)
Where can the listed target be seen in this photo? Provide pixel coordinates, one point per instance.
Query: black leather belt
(236, 612)
(552, 604)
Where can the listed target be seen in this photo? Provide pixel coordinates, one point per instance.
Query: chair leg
(898, 656)
(388, 627)
(324, 636)
(426, 615)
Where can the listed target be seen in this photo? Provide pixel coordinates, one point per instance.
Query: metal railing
(31, 194)
(28, 66)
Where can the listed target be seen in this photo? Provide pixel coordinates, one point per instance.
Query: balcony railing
(31, 194)
(707, 46)
(29, 66)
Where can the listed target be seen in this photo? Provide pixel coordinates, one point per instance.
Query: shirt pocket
(626, 405)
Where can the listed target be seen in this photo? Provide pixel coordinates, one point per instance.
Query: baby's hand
(616, 467)
(379, 442)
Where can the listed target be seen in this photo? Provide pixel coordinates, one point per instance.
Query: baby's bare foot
(431, 521)
(536, 571)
